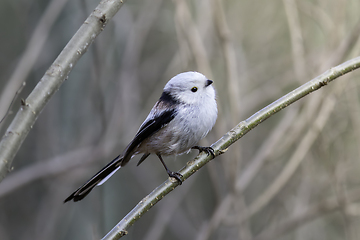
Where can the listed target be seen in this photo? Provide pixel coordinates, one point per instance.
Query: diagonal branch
(228, 139)
(52, 80)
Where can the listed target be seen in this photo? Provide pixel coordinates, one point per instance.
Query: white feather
(107, 177)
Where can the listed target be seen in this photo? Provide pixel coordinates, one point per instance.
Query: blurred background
(295, 176)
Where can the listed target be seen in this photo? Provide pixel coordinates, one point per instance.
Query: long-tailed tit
(184, 114)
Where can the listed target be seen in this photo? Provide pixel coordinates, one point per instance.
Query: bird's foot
(175, 175)
(207, 150)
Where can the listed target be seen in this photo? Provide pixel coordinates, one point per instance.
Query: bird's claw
(176, 175)
(207, 150)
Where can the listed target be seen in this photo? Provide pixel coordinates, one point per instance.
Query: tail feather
(108, 176)
(99, 178)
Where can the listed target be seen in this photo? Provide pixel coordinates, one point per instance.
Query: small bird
(184, 114)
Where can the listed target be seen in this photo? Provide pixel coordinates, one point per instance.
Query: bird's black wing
(147, 129)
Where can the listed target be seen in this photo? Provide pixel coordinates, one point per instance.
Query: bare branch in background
(310, 213)
(295, 160)
(31, 54)
(52, 80)
(230, 59)
(43, 169)
(193, 36)
(220, 213)
(297, 42)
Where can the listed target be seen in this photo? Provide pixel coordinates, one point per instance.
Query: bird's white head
(191, 88)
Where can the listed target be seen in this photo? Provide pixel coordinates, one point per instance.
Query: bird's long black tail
(99, 178)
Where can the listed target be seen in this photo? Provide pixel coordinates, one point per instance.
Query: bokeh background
(296, 176)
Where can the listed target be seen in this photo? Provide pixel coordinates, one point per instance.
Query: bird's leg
(208, 150)
(172, 174)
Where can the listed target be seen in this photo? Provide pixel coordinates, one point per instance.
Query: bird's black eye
(194, 89)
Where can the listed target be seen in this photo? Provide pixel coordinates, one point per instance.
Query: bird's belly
(167, 142)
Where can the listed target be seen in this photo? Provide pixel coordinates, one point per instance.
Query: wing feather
(147, 129)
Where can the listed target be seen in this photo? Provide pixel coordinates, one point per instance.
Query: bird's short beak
(208, 83)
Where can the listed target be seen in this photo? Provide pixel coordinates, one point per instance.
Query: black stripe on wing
(147, 129)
